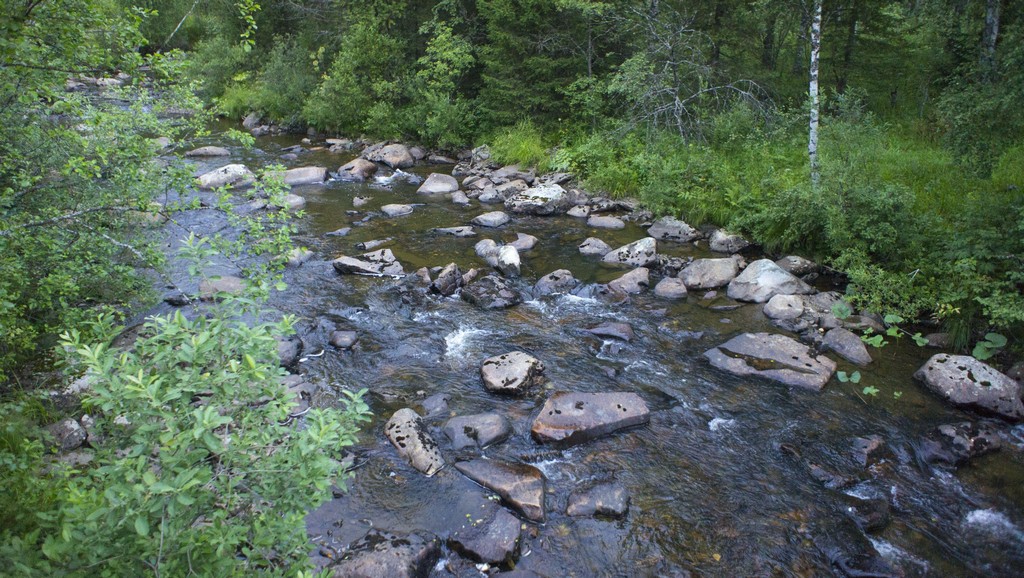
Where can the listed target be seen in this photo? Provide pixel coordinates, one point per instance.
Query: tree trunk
(988, 40)
(851, 39)
(812, 137)
(768, 44)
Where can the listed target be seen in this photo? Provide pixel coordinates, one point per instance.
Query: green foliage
(522, 144)
(988, 347)
(848, 377)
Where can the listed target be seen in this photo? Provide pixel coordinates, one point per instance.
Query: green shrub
(522, 144)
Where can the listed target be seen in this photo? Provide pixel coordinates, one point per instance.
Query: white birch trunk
(988, 40)
(812, 137)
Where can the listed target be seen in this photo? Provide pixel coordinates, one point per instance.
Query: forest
(698, 109)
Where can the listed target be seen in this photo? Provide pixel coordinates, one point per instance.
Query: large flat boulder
(762, 280)
(383, 554)
(302, 176)
(357, 170)
(634, 282)
(491, 219)
(774, 357)
(478, 430)
(966, 382)
(541, 200)
(608, 499)
(396, 156)
(673, 229)
(639, 253)
(511, 373)
(709, 273)
(572, 418)
(378, 263)
(209, 151)
(233, 175)
(521, 486)
(438, 184)
(405, 431)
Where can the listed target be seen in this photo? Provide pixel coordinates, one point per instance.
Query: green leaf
(870, 390)
(843, 376)
(142, 525)
(855, 377)
(892, 319)
(995, 340)
(982, 351)
(149, 478)
(185, 499)
(919, 340)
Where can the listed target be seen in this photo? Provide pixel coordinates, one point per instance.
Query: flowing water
(720, 480)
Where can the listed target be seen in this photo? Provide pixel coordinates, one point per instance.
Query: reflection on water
(713, 491)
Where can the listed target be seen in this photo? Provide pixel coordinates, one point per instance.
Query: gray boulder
(383, 554)
(797, 265)
(344, 339)
(673, 229)
(491, 292)
(511, 188)
(357, 170)
(378, 263)
(460, 198)
(405, 431)
(67, 435)
(438, 184)
(448, 281)
(709, 273)
(636, 254)
(670, 288)
(302, 176)
(572, 418)
(493, 539)
(461, 232)
(521, 486)
(395, 210)
(542, 200)
(492, 219)
(508, 261)
(209, 152)
(608, 499)
(847, 345)
(966, 382)
(784, 307)
(234, 175)
(579, 211)
(560, 281)
(762, 280)
(636, 281)
(524, 242)
(605, 222)
(593, 246)
(614, 329)
(480, 430)
(396, 156)
(724, 242)
(511, 373)
(774, 357)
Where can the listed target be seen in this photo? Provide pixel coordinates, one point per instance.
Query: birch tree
(812, 138)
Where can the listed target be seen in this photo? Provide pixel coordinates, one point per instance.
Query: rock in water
(209, 152)
(210, 289)
(797, 265)
(438, 184)
(235, 175)
(521, 486)
(615, 329)
(592, 246)
(636, 281)
(406, 432)
(511, 373)
(303, 176)
(480, 430)
(460, 232)
(491, 292)
(396, 156)
(725, 242)
(395, 210)
(492, 219)
(600, 500)
(784, 307)
(762, 280)
(357, 170)
(772, 356)
(672, 229)
(964, 381)
(846, 345)
(957, 443)
(541, 200)
(560, 281)
(670, 288)
(382, 554)
(605, 222)
(572, 418)
(507, 261)
(492, 540)
(636, 254)
(448, 280)
(344, 339)
(709, 273)
(378, 263)
(524, 242)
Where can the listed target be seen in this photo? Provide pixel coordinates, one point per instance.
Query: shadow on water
(732, 477)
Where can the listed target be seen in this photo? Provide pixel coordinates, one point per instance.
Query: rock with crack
(568, 419)
(541, 200)
(492, 539)
(966, 382)
(608, 499)
(639, 253)
(405, 431)
(673, 229)
(511, 373)
(480, 430)
(521, 486)
(460, 232)
(384, 554)
(774, 357)
(491, 292)
(762, 280)
(448, 281)
(378, 263)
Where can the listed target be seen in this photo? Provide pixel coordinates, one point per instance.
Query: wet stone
(460, 232)
(448, 281)
(572, 418)
(670, 288)
(405, 431)
(560, 281)
(521, 486)
(869, 450)
(636, 281)
(639, 253)
(672, 229)
(847, 345)
(436, 404)
(605, 222)
(957, 443)
(774, 357)
(383, 554)
(491, 292)
(964, 381)
(382, 262)
(511, 373)
(709, 273)
(614, 329)
(344, 339)
(870, 515)
(593, 246)
(288, 351)
(493, 539)
(610, 499)
(492, 219)
(479, 430)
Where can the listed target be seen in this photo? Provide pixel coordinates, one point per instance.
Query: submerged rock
(964, 381)
(395, 210)
(460, 232)
(573, 418)
(491, 540)
(605, 222)
(479, 430)
(609, 499)
(344, 339)
(774, 357)
(405, 431)
(673, 229)
(511, 373)
(491, 292)
(209, 151)
(521, 486)
(762, 280)
(636, 254)
(383, 554)
(957, 443)
(615, 329)
(381, 262)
